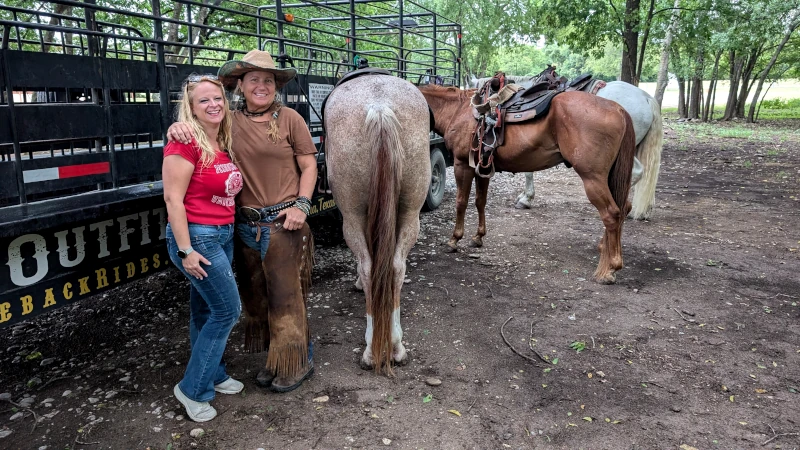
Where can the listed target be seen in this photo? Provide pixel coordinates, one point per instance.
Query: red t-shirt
(210, 195)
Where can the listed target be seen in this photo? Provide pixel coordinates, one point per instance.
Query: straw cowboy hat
(259, 60)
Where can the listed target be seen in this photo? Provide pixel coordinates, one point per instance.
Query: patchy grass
(766, 133)
(771, 113)
(741, 133)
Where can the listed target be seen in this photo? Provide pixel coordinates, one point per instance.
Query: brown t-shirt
(270, 171)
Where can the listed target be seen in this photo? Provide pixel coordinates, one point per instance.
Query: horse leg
(464, 175)
(358, 286)
(610, 247)
(407, 233)
(355, 236)
(481, 192)
(525, 198)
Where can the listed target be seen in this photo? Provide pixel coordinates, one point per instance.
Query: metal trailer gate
(88, 91)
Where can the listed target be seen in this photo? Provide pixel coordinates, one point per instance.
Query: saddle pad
(347, 77)
(360, 72)
(530, 109)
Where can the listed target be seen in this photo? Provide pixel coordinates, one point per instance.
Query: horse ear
(474, 80)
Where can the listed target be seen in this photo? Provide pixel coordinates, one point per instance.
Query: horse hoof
(264, 378)
(365, 365)
(607, 279)
(477, 242)
(402, 361)
(453, 246)
(521, 205)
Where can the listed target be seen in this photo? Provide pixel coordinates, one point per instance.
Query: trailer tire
(438, 180)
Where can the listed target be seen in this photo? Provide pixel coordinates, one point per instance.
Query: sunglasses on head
(198, 78)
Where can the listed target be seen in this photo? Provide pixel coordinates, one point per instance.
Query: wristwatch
(184, 253)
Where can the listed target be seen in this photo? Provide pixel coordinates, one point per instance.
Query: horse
(378, 162)
(593, 135)
(646, 115)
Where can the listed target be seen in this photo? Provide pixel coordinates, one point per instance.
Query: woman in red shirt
(200, 183)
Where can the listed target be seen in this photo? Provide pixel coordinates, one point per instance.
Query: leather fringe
(256, 335)
(287, 360)
(306, 266)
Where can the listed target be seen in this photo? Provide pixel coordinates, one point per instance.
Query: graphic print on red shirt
(210, 196)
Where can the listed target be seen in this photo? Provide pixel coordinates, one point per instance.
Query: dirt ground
(696, 346)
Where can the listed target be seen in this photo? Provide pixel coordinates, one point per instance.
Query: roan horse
(647, 123)
(594, 135)
(379, 170)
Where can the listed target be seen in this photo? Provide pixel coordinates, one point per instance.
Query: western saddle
(499, 101)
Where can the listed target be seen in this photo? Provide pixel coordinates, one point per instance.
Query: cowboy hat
(258, 60)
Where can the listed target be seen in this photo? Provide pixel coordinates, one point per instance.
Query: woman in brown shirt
(276, 157)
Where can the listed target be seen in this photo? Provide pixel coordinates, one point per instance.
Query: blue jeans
(247, 234)
(214, 306)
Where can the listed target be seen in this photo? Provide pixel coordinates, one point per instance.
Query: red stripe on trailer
(81, 170)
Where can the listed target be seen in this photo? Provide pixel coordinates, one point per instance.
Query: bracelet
(303, 206)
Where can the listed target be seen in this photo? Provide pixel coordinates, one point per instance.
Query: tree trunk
(747, 83)
(630, 42)
(681, 97)
(647, 24)
(736, 64)
(695, 101)
(198, 32)
(708, 114)
(172, 32)
(765, 73)
(700, 98)
(663, 77)
(49, 34)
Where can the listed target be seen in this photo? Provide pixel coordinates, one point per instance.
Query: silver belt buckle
(251, 214)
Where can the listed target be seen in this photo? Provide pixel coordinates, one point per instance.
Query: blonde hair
(185, 115)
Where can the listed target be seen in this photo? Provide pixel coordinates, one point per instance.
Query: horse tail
(649, 153)
(383, 134)
(619, 180)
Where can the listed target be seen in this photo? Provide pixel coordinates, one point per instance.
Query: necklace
(249, 113)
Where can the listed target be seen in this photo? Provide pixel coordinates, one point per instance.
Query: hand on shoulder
(180, 132)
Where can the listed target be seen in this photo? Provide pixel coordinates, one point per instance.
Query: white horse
(647, 123)
(379, 171)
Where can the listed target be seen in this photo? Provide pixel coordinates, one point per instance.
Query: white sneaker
(229, 386)
(197, 411)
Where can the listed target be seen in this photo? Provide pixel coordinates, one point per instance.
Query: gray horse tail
(649, 154)
(383, 135)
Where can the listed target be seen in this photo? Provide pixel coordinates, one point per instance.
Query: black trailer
(88, 92)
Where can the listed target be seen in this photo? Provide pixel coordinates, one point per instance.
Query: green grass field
(783, 90)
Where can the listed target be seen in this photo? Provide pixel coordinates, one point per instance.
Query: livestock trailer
(88, 91)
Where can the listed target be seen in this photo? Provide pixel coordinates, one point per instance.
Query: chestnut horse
(379, 170)
(593, 135)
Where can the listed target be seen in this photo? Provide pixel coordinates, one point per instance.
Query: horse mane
(515, 78)
(447, 91)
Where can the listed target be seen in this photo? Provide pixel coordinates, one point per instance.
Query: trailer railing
(91, 88)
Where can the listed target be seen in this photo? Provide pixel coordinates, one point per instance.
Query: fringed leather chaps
(274, 293)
